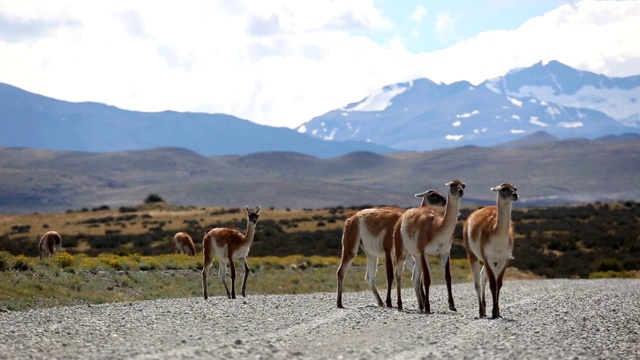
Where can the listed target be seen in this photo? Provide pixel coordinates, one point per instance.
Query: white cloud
(601, 34)
(419, 13)
(277, 62)
(445, 26)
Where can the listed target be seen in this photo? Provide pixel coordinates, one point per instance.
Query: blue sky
(435, 25)
(283, 62)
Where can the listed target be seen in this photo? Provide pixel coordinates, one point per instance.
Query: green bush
(21, 263)
(609, 265)
(6, 261)
(64, 260)
(153, 198)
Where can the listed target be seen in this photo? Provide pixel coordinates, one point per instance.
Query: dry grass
(27, 283)
(73, 223)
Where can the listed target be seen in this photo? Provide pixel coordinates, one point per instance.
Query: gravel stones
(541, 319)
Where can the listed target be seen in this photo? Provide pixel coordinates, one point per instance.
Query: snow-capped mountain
(422, 115)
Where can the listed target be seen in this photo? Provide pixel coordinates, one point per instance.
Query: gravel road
(557, 319)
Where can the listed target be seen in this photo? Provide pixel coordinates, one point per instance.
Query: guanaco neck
(251, 231)
(450, 217)
(504, 217)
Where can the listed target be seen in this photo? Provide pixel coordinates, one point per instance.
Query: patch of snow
(314, 132)
(515, 102)
(493, 86)
(553, 111)
(474, 112)
(505, 107)
(517, 131)
(345, 114)
(515, 117)
(330, 136)
(454, 137)
(456, 123)
(533, 101)
(620, 104)
(302, 129)
(534, 120)
(570, 125)
(379, 100)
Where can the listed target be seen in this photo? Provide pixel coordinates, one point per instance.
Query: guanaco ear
(258, 210)
(421, 195)
(246, 209)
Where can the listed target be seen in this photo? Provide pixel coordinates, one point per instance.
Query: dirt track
(541, 319)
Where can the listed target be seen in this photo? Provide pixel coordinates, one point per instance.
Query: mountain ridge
(418, 115)
(421, 115)
(548, 173)
(36, 121)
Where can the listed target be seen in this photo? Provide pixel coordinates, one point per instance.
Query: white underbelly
(372, 244)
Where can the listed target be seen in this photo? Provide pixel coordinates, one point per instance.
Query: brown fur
(485, 220)
(49, 243)
(236, 244)
(425, 221)
(427, 226)
(376, 221)
(380, 207)
(487, 225)
(184, 244)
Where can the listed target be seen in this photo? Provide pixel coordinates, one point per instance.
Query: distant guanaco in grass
(372, 230)
(488, 236)
(229, 244)
(50, 243)
(184, 244)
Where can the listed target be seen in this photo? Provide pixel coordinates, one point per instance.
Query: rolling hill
(547, 172)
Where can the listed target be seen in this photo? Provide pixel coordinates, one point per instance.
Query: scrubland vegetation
(126, 254)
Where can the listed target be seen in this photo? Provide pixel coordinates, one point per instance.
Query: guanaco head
(252, 215)
(456, 188)
(506, 192)
(431, 197)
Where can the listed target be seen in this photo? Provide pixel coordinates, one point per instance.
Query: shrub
(153, 198)
(6, 261)
(609, 265)
(126, 209)
(64, 260)
(21, 263)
